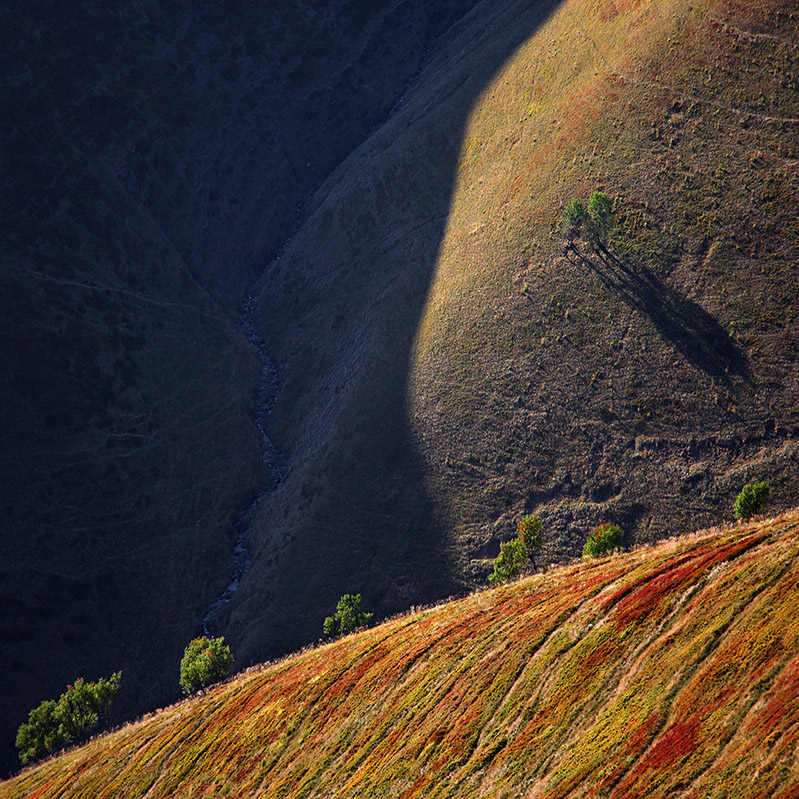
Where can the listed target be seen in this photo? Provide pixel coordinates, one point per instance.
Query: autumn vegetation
(640, 372)
(667, 669)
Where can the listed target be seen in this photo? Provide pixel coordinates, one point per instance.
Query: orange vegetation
(668, 669)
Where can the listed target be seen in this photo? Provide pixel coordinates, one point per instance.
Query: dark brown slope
(339, 311)
(445, 368)
(153, 159)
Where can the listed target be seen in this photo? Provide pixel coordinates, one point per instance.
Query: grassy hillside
(667, 671)
(651, 383)
(443, 367)
(446, 368)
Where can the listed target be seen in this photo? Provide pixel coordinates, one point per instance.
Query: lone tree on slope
(574, 218)
(592, 222)
(347, 618)
(514, 553)
(205, 661)
(751, 499)
(600, 219)
(603, 540)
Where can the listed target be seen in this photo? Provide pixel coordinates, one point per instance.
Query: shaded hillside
(399, 169)
(446, 368)
(668, 671)
(155, 157)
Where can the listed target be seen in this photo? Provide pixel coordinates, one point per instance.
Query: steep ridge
(668, 671)
(445, 367)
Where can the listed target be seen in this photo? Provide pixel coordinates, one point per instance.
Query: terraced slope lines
(669, 671)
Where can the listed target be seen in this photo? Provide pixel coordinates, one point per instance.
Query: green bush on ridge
(751, 499)
(348, 617)
(593, 222)
(52, 724)
(205, 661)
(514, 553)
(603, 540)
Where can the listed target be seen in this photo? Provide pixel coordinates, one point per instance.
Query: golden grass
(661, 670)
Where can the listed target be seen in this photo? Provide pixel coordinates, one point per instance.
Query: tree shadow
(685, 324)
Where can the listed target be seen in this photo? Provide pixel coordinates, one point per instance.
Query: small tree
(530, 533)
(751, 499)
(76, 710)
(600, 218)
(602, 540)
(592, 222)
(42, 734)
(573, 219)
(205, 661)
(513, 554)
(104, 693)
(54, 724)
(347, 618)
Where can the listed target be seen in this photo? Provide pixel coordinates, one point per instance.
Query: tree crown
(205, 661)
(348, 617)
(602, 540)
(751, 500)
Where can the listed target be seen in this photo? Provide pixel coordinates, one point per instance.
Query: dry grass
(665, 669)
(538, 372)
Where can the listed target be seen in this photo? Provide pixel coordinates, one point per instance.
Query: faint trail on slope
(681, 91)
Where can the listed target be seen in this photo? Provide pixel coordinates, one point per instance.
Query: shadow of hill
(685, 324)
(154, 156)
(339, 312)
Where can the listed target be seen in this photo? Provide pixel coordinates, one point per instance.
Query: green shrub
(347, 618)
(514, 553)
(42, 734)
(530, 532)
(751, 499)
(77, 710)
(603, 540)
(52, 725)
(205, 661)
(592, 222)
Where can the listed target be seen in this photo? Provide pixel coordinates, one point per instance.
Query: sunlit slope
(445, 369)
(648, 388)
(668, 669)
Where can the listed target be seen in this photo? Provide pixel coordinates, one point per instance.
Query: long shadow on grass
(689, 328)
